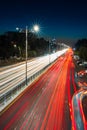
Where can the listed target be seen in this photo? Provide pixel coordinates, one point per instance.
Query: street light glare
(17, 28)
(36, 28)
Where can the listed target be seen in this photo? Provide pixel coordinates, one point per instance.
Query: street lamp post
(26, 50)
(35, 29)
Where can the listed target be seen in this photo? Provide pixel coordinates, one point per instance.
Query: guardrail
(9, 96)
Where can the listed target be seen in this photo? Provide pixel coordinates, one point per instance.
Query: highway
(47, 103)
(11, 77)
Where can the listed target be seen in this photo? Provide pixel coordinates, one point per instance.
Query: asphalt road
(46, 104)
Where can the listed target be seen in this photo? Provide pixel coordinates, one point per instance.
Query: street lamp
(35, 29)
(26, 51)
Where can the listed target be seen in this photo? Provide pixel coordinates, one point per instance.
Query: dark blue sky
(64, 19)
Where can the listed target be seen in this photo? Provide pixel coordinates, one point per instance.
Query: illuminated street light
(35, 29)
(17, 28)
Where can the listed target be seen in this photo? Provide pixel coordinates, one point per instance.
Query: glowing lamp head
(17, 28)
(36, 28)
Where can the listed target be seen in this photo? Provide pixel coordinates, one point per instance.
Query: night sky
(63, 19)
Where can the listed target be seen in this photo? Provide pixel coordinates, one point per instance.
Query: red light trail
(46, 104)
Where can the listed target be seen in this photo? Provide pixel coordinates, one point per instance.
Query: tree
(81, 43)
(81, 48)
(13, 44)
(83, 53)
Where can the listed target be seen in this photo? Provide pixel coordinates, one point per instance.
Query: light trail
(33, 113)
(53, 117)
(10, 78)
(39, 97)
(47, 103)
(69, 93)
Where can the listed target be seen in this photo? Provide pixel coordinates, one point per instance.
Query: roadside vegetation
(81, 49)
(13, 47)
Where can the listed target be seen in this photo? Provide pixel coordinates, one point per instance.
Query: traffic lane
(30, 96)
(15, 80)
(36, 117)
(12, 83)
(49, 120)
(30, 63)
(20, 71)
(71, 89)
(34, 62)
(14, 73)
(76, 113)
(70, 86)
(14, 68)
(56, 117)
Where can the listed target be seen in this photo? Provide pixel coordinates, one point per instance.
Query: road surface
(46, 104)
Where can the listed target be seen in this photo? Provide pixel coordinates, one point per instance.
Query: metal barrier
(8, 97)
